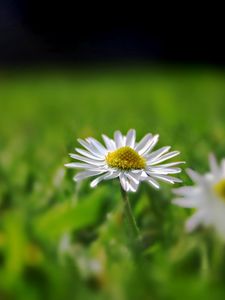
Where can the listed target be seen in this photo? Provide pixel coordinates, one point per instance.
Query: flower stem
(205, 261)
(128, 214)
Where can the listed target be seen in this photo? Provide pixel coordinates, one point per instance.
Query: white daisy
(207, 197)
(124, 158)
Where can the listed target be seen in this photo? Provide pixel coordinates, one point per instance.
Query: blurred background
(68, 71)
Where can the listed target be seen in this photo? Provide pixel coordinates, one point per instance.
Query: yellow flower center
(219, 189)
(125, 158)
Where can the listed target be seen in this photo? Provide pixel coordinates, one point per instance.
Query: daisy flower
(126, 159)
(207, 196)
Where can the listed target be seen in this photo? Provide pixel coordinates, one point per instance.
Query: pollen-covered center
(125, 158)
(219, 189)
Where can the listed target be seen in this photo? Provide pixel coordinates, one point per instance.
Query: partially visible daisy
(207, 196)
(126, 159)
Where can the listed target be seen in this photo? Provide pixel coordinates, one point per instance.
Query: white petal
(130, 182)
(110, 144)
(185, 202)
(119, 139)
(145, 140)
(153, 182)
(167, 178)
(165, 157)
(172, 164)
(90, 148)
(88, 154)
(101, 149)
(139, 174)
(215, 169)
(87, 160)
(130, 139)
(154, 155)
(137, 171)
(143, 175)
(133, 186)
(185, 190)
(223, 167)
(79, 165)
(124, 182)
(86, 174)
(196, 177)
(158, 170)
(96, 181)
(112, 175)
(194, 221)
(149, 145)
(133, 178)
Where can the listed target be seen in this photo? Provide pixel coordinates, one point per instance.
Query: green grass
(59, 240)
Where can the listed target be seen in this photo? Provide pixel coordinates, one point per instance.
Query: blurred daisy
(124, 158)
(207, 197)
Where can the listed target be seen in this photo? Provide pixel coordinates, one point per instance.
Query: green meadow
(62, 240)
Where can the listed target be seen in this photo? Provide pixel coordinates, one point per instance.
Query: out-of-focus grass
(59, 240)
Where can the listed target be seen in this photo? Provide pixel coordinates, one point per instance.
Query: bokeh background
(69, 72)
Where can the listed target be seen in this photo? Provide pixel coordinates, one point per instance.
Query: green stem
(205, 268)
(128, 214)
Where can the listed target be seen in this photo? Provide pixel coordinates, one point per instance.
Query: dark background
(65, 32)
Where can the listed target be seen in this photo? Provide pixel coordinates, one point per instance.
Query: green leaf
(65, 217)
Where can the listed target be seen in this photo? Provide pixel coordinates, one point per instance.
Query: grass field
(60, 240)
